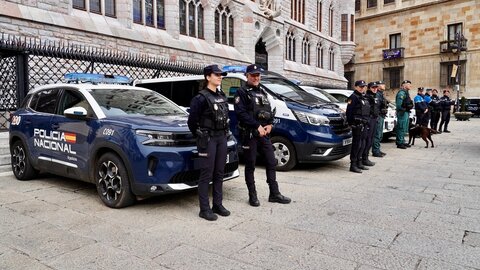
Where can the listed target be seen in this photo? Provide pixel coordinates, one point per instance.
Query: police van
(306, 128)
(130, 142)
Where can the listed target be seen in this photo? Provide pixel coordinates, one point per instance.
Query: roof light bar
(96, 78)
(235, 69)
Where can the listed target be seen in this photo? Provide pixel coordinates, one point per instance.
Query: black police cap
(213, 69)
(406, 81)
(421, 88)
(360, 83)
(372, 84)
(380, 82)
(254, 69)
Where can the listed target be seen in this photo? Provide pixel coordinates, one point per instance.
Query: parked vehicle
(306, 129)
(390, 119)
(128, 141)
(324, 95)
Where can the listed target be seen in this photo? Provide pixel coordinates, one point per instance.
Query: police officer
(445, 105)
(428, 100)
(435, 109)
(208, 121)
(371, 96)
(358, 113)
(404, 105)
(420, 107)
(383, 107)
(255, 118)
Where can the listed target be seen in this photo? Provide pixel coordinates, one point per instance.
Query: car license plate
(347, 141)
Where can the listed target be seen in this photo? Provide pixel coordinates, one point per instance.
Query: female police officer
(208, 121)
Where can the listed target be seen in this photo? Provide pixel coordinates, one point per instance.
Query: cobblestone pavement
(415, 209)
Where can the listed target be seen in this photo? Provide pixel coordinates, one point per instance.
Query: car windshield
(290, 90)
(117, 102)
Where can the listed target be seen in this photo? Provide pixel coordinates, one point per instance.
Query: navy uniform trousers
(212, 167)
(264, 145)
(359, 138)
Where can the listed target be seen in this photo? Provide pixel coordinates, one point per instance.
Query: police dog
(421, 131)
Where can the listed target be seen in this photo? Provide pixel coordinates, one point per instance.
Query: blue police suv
(129, 141)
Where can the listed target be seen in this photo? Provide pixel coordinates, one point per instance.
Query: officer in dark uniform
(255, 118)
(435, 109)
(445, 105)
(358, 113)
(371, 96)
(383, 105)
(208, 121)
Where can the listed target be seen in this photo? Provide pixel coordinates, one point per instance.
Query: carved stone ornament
(270, 8)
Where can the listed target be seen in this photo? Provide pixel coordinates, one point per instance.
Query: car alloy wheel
(20, 161)
(113, 185)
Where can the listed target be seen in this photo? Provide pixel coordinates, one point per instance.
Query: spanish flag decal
(70, 137)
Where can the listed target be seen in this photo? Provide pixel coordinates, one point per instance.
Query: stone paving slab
(415, 209)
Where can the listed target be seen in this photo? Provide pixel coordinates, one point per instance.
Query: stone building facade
(309, 40)
(416, 40)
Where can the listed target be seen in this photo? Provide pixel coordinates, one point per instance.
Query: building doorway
(261, 54)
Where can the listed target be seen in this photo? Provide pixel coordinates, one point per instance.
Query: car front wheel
(112, 181)
(21, 165)
(284, 154)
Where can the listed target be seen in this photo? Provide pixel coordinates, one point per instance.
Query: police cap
(254, 69)
(372, 84)
(406, 81)
(379, 82)
(360, 83)
(213, 69)
(421, 89)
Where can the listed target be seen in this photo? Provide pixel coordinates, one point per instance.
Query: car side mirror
(76, 113)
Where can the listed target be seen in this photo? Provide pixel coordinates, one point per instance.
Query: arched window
(319, 55)
(297, 10)
(223, 26)
(191, 18)
(331, 55)
(290, 46)
(306, 51)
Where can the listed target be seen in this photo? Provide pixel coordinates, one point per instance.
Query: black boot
(252, 199)
(361, 166)
(367, 162)
(278, 198)
(354, 168)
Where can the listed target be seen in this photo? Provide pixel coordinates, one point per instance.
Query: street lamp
(457, 48)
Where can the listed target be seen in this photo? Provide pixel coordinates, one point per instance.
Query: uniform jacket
(420, 103)
(199, 107)
(244, 105)
(403, 101)
(358, 108)
(446, 103)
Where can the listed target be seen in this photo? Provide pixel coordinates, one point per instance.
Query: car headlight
(312, 119)
(160, 138)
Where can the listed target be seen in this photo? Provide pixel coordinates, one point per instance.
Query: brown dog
(424, 132)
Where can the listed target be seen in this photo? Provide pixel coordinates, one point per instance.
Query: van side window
(230, 87)
(180, 92)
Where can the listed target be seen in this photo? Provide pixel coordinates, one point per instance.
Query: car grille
(184, 139)
(191, 177)
(341, 150)
(339, 125)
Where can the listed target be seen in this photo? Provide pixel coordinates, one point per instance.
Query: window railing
(448, 46)
(395, 53)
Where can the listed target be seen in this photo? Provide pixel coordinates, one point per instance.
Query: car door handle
(55, 126)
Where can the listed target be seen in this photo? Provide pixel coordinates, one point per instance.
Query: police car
(129, 141)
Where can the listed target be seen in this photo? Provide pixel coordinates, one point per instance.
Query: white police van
(129, 141)
(306, 128)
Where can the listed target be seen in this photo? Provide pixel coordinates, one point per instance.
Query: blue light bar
(295, 81)
(235, 69)
(96, 78)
